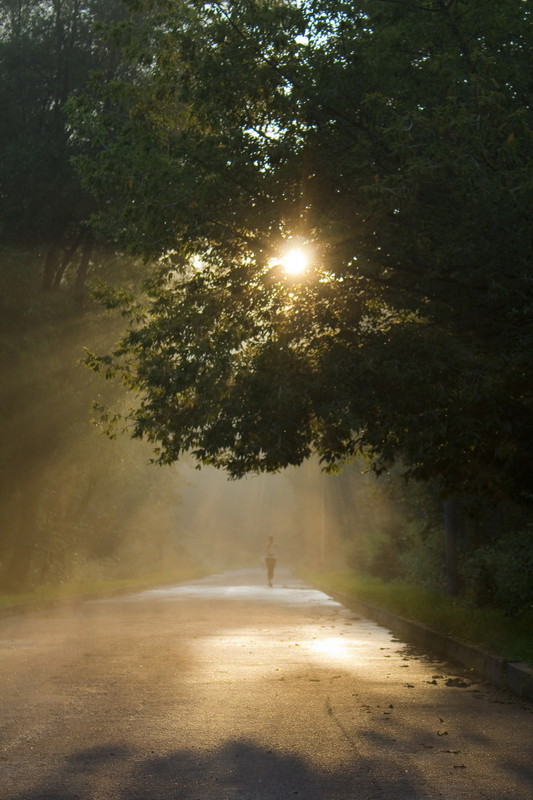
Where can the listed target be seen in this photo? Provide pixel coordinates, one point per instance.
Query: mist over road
(223, 688)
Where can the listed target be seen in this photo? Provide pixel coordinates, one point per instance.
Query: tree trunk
(55, 264)
(80, 285)
(68, 255)
(51, 261)
(451, 536)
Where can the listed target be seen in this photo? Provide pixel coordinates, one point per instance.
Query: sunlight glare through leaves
(295, 261)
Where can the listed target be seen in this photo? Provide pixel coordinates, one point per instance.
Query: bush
(500, 574)
(423, 563)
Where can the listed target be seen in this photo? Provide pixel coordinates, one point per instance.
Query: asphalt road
(223, 689)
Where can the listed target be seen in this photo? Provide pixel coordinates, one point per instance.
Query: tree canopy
(48, 49)
(391, 140)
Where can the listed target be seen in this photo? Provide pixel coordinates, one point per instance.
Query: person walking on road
(270, 559)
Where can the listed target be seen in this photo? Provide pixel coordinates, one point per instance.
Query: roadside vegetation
(383, 545)
(71, 591)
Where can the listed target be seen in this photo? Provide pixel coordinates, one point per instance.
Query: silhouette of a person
(270, 559)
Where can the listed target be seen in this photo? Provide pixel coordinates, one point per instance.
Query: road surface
(224, 689)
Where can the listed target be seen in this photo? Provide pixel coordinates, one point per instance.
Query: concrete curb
(512, 676)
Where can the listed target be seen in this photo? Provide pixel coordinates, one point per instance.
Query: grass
(486, 628)
(76, 590)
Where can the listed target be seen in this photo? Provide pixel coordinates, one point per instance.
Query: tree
(394, 142)
(73, 506)
(47, 50)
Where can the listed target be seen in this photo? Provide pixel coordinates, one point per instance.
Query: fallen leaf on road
(458, 682)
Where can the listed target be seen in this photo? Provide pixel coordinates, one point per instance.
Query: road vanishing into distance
(224, 689)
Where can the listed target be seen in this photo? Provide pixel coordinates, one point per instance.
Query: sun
(295, 261)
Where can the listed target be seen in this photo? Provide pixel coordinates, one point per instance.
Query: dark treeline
(141, 140)
(73, 505)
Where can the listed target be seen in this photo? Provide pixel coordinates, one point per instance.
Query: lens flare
(295, 261)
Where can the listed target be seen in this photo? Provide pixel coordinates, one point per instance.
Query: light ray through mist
(316, 519)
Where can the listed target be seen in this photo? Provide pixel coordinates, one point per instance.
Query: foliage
(71, 502)
(395, 142)
(401, 540)
(498, 573)
(93, 585)
(47, 52)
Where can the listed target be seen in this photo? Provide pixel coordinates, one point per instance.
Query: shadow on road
(226, 689)
(237, 769)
